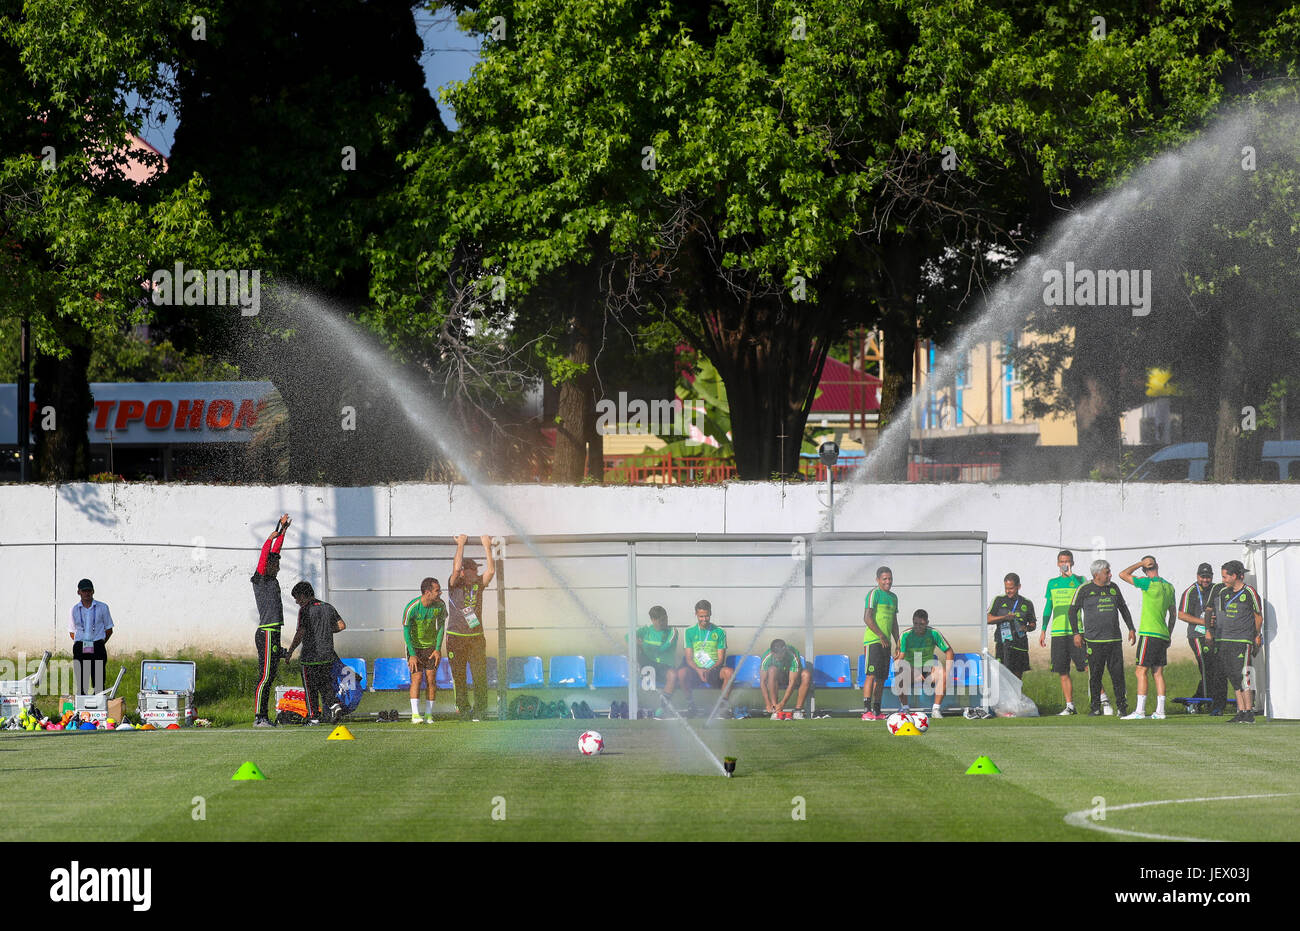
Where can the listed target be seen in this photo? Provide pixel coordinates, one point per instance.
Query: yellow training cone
(340, 733)
(907, 729)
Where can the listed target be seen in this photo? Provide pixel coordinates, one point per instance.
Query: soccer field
(525, 780)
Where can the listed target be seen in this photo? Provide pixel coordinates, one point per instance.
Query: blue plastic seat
(747, 670)
(832, 671)
(359, 667)
(968, 671)
(491, 673)
(391, 672)
(442, 678)
(524, 672)
(862, 673)
(609, 672)
(568, 672)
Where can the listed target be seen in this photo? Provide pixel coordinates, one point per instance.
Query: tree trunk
(576, 405)
(1223, 452)
(770, 357)
(63, 453)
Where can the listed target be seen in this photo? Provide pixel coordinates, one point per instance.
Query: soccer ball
(590, 743)
(921, 720)
(895, 721)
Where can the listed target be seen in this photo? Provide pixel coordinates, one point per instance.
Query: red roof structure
(843, 388)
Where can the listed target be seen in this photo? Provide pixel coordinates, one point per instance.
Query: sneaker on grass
(416, 719)
(1158, 716)
(1069, 709)
(1135, 716)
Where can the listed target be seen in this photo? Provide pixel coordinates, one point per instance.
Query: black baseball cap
(1205, 569)
(85, 585)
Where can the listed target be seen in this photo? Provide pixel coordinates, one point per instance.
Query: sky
(449, 55)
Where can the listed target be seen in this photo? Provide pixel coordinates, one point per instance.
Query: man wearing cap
(90, 629)
(464, 639)
(270, 619)
(1238, 622)
(1155, 627)
(1196, 607)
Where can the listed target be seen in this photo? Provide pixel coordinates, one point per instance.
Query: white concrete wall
(173, 561)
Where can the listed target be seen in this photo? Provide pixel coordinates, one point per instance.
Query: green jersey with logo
(423, 627)
(882, 607)
(706, 644)
(1060, 592)
(656, 646)
(1158, 597)
(793, 664)
(918, 648)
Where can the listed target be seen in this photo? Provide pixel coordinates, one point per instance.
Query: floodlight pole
(503, 657)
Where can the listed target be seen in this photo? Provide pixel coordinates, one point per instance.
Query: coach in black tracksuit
(1100, 605)
(318, 622)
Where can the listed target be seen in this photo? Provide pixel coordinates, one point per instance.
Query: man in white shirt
(90, 629)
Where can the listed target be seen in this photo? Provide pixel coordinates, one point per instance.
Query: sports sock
(1142, 704)
(875, 706)
(428, 706)
(866, 704)
(1104, 699)
(1069, 704)
(1160, 704)
(415, 706)
(935, 711)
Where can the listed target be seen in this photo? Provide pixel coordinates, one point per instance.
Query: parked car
(1189, 462)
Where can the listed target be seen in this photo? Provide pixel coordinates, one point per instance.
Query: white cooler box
(166, 692)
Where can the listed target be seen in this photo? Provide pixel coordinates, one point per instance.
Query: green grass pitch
(447, 781)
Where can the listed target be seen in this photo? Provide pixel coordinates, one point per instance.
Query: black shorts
(1153, 652)
(1232, 657)
(688, 678)
(878, 660)
(1063, 651)
(1016, 660)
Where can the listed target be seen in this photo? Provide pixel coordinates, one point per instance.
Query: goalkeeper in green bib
(424, 621)
(919, 663)
(1056, 624)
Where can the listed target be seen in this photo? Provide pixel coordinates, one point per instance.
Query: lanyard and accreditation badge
(1010, 628)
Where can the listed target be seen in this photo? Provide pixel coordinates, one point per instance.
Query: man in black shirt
(1196, 607)
(318, 622)
(270, 618)
(464, 640)
(1100, 605)
(1014, 617)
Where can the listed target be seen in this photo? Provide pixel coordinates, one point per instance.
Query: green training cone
(983, 766)
(248, 771)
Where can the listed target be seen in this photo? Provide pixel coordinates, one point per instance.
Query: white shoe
(1106, 708)
(776, 716)
(416, 719)
(936, 712)
(1067, 711)
(798, 715)
(1135, 716)
(1158, 716)
(428, 718)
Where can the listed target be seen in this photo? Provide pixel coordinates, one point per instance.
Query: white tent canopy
(1273, 558)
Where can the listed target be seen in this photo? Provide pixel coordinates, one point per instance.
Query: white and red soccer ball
(918, 719)
(590, 743)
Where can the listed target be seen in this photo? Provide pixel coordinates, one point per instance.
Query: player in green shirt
(1154, 629)
(424, 621)
(656, 653)
(918, 661)
(781, 669)
(880, 617)
(1056, 623)
(705, 655)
